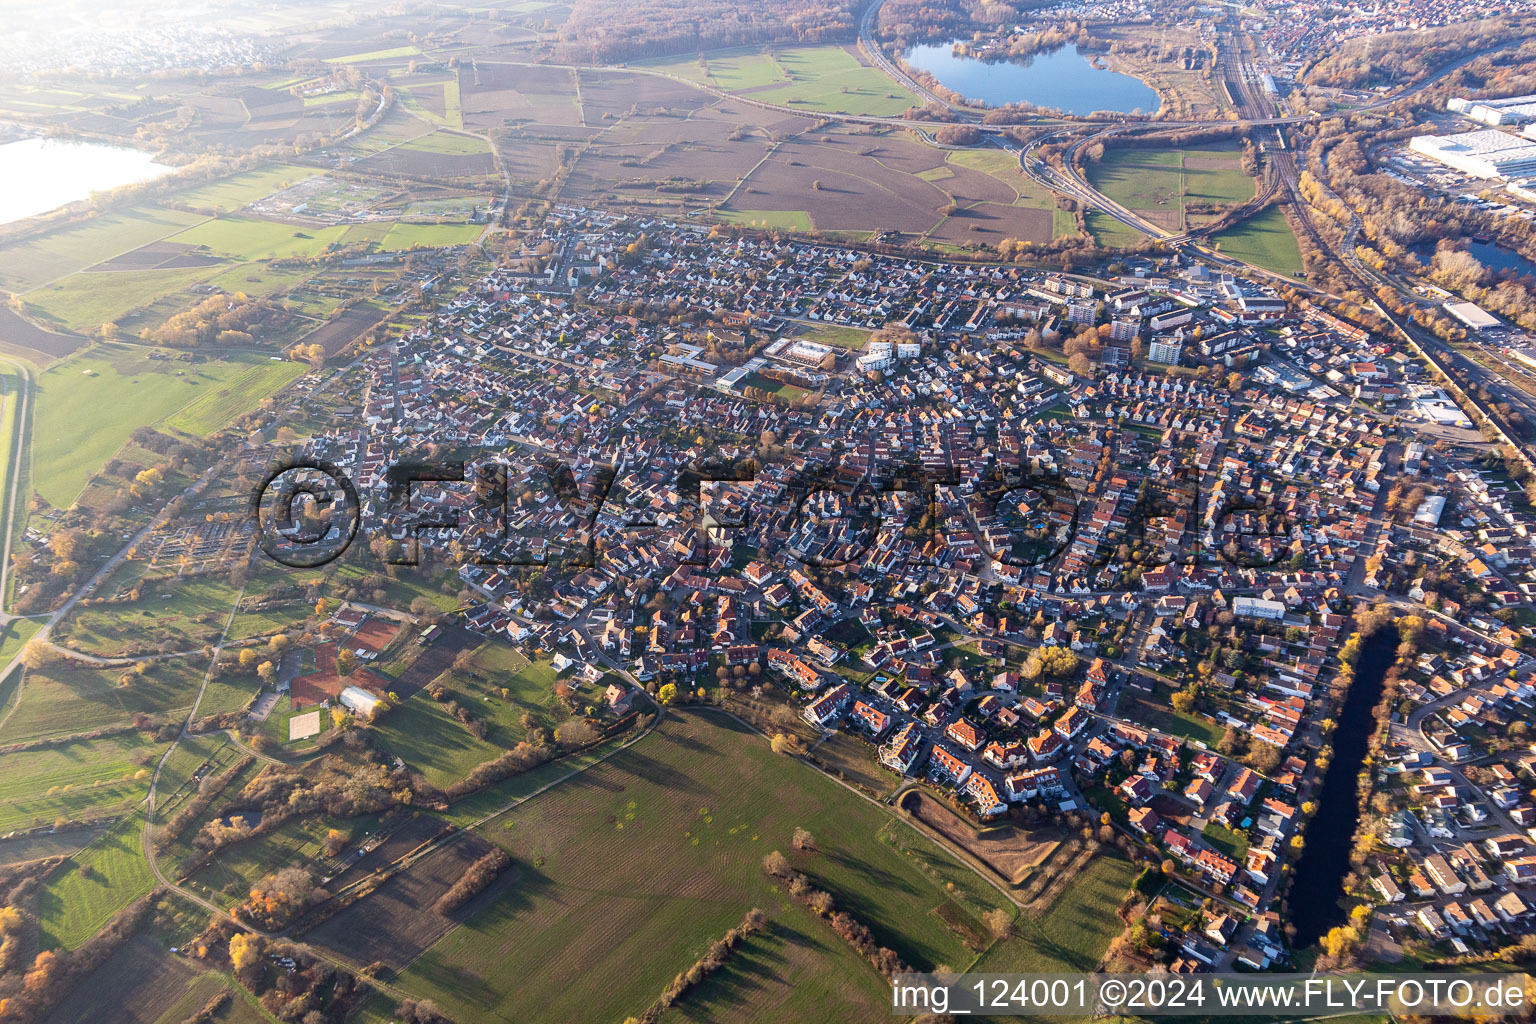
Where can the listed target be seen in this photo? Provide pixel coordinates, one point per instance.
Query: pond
(1494, 257)
(44, 174)
(1318, 884)
(1063, 79)
(247, 819)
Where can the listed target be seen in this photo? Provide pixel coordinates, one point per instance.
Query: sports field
(302, 727)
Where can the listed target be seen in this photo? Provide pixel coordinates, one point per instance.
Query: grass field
(453, 110)
(406, 236)
(93, 885)
(628, 871)
(1227, 841)
(426, 737)
(1108, 232)
(851, 338)
(83, 302)
(448, 143)
(788, 220)
(14, 636)
(190, 612)
(1265, 240)
(240, 190)
(76, 780)
(13, 461)
(61, 700)
(1178, 723)
(216, 409)
(298, 842)
(1160, 183)
(89, 404)
(1072, 934)
(249, 238)
(393, 53)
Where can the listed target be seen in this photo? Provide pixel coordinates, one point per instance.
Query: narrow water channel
(1318, 882)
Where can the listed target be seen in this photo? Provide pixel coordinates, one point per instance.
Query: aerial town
(755, 508)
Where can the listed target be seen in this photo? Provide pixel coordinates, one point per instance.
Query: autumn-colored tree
(244, 950)
(37, 653)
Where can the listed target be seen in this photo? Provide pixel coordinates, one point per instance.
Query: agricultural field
(708, 800)
(87, 406)
(1160, 184)
(1265, 240)
(1005, 167)
(828, 79)
(29, 264)
(850, 180)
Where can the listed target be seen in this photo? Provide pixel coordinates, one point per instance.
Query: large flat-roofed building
(1484, 154)
(1508, 110)
(810, 352)
(1473, 315)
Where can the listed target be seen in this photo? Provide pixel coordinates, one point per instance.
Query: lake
(1062, 79)
(44, 174)
(1318, 884)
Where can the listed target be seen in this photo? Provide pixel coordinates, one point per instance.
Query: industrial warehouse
(1488, 153)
